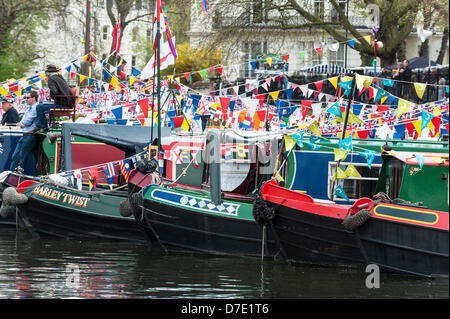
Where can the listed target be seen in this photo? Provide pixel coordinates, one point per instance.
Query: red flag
(319, 85)
(306, 105)
(319, 50)
(220, 70)
(155, 28)
(143, 104)
(116, 37)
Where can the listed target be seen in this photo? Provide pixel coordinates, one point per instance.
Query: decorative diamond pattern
(193, 202)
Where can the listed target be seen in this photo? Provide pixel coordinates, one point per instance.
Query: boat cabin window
(354, 187)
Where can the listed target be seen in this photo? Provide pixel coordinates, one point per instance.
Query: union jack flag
(1, 148)
(375, 29)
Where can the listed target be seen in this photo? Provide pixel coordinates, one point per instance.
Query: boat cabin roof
(433, 159)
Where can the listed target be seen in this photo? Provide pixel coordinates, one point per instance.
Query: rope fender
(261, 212)
(351, 222)
(12, 198)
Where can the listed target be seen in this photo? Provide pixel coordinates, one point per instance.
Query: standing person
(405, 76)
(28, 140)
(10, 114)
(59, 92)
(396, 76)
(441, 83)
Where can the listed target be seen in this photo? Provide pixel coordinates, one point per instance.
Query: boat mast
(87, 35)
(158, 69)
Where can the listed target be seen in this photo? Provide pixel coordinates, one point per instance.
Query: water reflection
(37, 268)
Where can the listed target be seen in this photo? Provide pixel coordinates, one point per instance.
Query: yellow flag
(114, 81)
(351, 171)
(340, 155)
(367, 38)
(420, 89)
(269, 61)
(340, 173)
(132, 79)
(278, 177)
(274, 95)
(82, 78)
(418, 126)
(3, 91)
(361, 80)
(314, 127)
(403, 107)
(289, 143)
(185, 125)
(333, 81)
(240, 150)
(352, 118)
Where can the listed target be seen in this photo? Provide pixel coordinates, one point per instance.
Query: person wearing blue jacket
(28, 140)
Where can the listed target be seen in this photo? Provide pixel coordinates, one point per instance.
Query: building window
(355, 187)
(337, 57)
(253, 51)
(334, 14)
(319, 9)
(105, 33)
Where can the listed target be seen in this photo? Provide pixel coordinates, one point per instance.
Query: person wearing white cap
(10, 114)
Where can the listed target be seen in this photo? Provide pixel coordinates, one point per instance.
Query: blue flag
(340, 192)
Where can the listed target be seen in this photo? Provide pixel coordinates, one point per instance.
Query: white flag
(166, 58)
(79, 177)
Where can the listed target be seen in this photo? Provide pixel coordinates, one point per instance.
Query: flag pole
(158, 69)
(347, 112)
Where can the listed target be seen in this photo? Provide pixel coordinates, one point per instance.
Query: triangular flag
(420, 89)
(286, 57)
(269, 61)
(314, 127)
(426, 118)
(418, 126)
(346, 143)
(274, 95)
(143, 104)
(306, 105)
(352, 43)
(82, 78)
(351, 171)
(340, 192)
(403, 107)
(367, 38)
(334, 81)
(319, 50)
(420, 159)
(289, 143)
(339, 155)
(319, 85)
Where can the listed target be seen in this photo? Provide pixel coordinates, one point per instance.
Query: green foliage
(193, 60)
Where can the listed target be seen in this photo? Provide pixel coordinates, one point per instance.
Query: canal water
(48, 267)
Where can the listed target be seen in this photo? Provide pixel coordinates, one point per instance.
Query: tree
(20, 22)
(397, 18)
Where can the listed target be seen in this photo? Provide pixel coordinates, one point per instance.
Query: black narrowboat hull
(181, 229)
(311, 238)
(403, 247)
(44, 218)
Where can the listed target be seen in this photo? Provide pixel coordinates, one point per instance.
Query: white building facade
(262, 36)
(61, 44)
